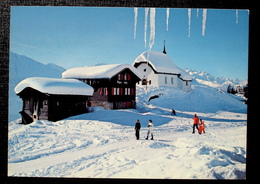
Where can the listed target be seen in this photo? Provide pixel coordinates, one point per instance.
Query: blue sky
(83, 36)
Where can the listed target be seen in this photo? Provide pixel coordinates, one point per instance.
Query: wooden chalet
(114, 85)
(52, 99)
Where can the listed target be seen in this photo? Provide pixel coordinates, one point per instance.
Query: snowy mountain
(22, 67)
(205, 78)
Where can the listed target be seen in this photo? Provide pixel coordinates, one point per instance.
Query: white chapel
(158, 70)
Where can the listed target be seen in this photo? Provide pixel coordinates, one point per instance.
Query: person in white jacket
(150, 129)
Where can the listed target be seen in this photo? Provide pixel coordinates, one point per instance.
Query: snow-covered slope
(200, 99)
(102, 144)
(21, 67)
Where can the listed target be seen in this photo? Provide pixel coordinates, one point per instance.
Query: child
(201, 127)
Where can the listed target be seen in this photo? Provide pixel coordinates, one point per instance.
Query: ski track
(85, 146)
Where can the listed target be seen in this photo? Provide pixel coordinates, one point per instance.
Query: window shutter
(112, 91)
(132, 91)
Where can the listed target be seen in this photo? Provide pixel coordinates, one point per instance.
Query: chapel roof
(161, 63)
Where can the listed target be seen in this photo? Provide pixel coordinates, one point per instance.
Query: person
(137, 129)
(173, 112)
(150, 130)
(195, 123)
(201, 127)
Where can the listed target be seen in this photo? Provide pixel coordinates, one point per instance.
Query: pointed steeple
(164, 50)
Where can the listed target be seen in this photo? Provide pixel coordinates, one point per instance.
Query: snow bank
(55, 86)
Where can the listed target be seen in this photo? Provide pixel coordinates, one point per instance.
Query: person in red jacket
(201, 127)
(195, 123)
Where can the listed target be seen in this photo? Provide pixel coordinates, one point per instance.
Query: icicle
(204, 18)
(135, 23)
(152, 27)
(167, 17)
(236, 16)
(146, 10)
(198, 12)
(189, 21)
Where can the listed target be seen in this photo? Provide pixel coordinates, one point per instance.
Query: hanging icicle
(236, 16)
(189, 21)
(204, 18)
(135, 23)
(146, 11)
(167, 18)
(198, 12)
(152, 27)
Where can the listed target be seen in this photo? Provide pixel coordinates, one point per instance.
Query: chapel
(158, 69)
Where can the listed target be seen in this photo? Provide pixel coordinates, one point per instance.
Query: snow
(152, 27)
(204, 19)
(98, 72)
(55, 86)
(161, 63)
(102, 144)
(135, 22)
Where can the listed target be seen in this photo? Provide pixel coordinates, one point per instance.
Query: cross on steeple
(164, 50)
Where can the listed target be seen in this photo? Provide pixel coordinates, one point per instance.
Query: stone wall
(104, 104)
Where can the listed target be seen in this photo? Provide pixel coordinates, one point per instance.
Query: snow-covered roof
(55, 86)
(161, 63)
(98, 72)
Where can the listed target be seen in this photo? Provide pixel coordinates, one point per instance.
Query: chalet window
(119, 76)
(127, 91)
(186, 83)
(165, 79)
(172, 80)
(103, 91)
(150, 82)
(127, 76)
(115, 91)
